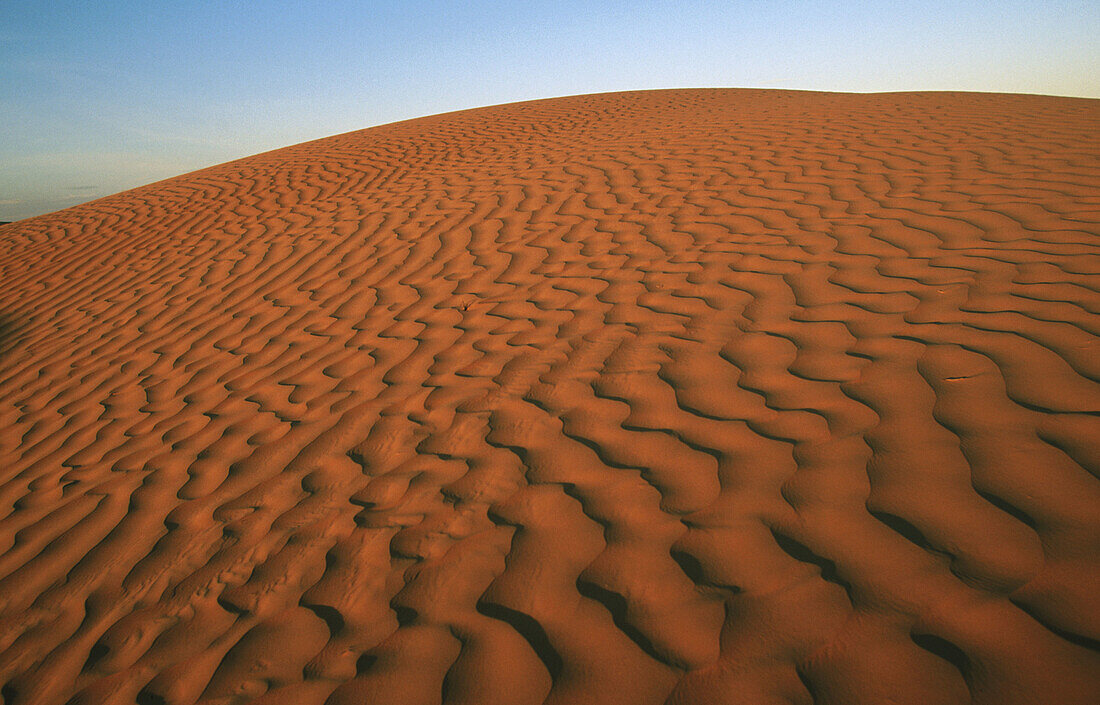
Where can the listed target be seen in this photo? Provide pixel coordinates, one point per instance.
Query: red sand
(703, 396)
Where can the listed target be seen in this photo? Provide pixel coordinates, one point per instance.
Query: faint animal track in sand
(700, 396)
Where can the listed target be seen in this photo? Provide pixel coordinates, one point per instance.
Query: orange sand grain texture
(699, 396)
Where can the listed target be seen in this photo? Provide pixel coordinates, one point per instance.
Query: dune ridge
(694, 396)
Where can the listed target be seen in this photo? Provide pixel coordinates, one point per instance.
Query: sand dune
(700, 396)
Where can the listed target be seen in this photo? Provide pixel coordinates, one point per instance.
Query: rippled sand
(699, 396)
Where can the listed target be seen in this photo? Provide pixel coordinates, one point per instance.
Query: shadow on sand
(10, 330)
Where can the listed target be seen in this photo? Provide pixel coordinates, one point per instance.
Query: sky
(98, 97)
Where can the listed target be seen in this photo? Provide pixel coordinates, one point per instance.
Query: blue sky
(97, 97)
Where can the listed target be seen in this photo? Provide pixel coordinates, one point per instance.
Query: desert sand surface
(697, 396)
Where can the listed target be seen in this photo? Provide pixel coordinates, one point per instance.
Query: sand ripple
(703, 396)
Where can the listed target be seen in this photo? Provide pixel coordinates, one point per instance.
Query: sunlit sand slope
(702, 396)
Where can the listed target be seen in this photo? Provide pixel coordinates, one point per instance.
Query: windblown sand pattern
(703, 396)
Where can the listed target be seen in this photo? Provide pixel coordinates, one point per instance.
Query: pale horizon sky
(96, 98)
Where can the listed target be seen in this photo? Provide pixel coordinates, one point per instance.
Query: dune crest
(695, 396)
